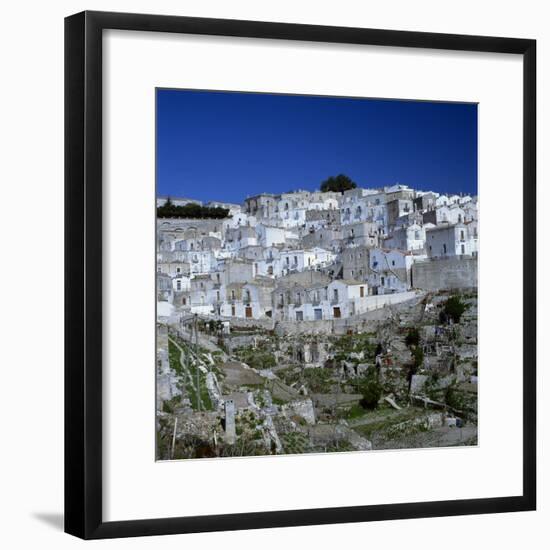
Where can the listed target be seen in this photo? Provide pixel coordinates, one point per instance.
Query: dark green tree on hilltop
(339, 184)
(191, 210)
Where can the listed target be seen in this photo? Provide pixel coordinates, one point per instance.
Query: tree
(418, 355)
(339, 184)
(191, 210)
(413, 337)
(454, 308)
(372, 392)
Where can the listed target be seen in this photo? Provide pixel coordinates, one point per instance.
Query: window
(299, 316)
(218, 295)
(461, 234)
(393, 262)
(444, 248)
(232, 294)
(382, 281)
(287, 260)
(335, 294)
(178, 269)
(248, 295)
(178, 284)
(462, 249)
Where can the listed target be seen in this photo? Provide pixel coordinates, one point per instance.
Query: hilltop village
(315, 322)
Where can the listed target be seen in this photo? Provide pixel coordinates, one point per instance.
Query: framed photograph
(300, 275)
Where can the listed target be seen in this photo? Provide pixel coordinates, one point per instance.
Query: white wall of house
(201, 261)
(450, 241)
(269, 235)
(449, 214)
(412, 237)
(389, 270)
(181, 283)
(242, 310)
(240, 219)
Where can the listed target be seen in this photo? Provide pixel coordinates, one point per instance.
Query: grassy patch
(384, 420)
(317, 380)
(354, 343)
(256, 358)
(295, 443)
(355, 411)
(190, 376)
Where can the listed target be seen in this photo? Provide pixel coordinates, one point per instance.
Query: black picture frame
(83, 274)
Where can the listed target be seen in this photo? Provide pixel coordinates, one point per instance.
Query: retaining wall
(444, 274)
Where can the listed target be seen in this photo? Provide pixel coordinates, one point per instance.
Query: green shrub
(372, 392)
(418, 355)
(413, 337)
(454, 307)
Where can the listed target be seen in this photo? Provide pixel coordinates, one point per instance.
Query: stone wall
(264, 324)
(203, 225)
(283, 328)
(446, 273)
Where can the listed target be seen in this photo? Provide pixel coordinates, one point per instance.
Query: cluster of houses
(310, 256)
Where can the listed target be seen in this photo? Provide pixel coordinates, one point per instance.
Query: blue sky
(226, 146)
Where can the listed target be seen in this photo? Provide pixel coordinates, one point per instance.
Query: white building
(445, 241)
(300, 260)
(390, 270)
(412, 237)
